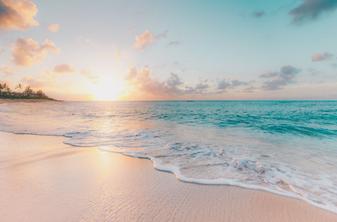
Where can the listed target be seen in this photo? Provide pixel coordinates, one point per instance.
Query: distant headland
(21, 92)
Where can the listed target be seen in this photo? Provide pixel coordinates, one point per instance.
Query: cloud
(259, 14)
(142, 81)
(200, 88)
(174, 43)
(311, 10)
(250, 89)
(318, 57)
(17, 14)
(224, 84)
(147, 38)
(278, 80)
(174, 81)
(162, 35)
(54, 27)
(63, 68)
(144, 40)
(145, 86)
(27, 52)
(6, 70)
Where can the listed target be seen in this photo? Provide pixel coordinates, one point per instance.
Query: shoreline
(6, 100)
(180, 177)
(41, 178)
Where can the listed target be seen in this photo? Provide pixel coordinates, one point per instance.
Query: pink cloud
(144, 86)
(54, 27)
(6, 70)
(321, 57)
(27, 52)
(17, 14)
(143, 40)
(63, 68)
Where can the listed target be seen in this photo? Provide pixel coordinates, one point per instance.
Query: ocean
(284, 147)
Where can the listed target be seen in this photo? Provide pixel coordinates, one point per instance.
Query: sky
(158, 50)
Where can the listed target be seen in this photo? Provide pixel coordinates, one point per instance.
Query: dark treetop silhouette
(19, 93)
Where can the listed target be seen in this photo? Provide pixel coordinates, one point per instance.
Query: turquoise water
(284, 147)
(310, 118)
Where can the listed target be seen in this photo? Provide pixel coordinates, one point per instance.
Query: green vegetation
(19, 93)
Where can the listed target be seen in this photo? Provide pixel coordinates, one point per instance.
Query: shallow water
(286, 147)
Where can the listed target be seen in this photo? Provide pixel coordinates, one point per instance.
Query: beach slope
(41, 179)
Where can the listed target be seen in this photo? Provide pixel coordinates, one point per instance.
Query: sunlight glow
(107, 89)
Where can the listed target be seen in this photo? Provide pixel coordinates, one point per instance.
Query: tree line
(20, 92)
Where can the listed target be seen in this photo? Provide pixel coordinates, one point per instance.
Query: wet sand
(42, 179)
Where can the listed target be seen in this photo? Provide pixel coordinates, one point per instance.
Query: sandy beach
(182, 111)
(41, 179)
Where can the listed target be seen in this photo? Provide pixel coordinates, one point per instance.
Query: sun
(107, 89)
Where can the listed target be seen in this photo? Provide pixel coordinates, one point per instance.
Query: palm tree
(1, 88)
(6, 89)
(41, 94)
(28, 92)
(18, 86)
